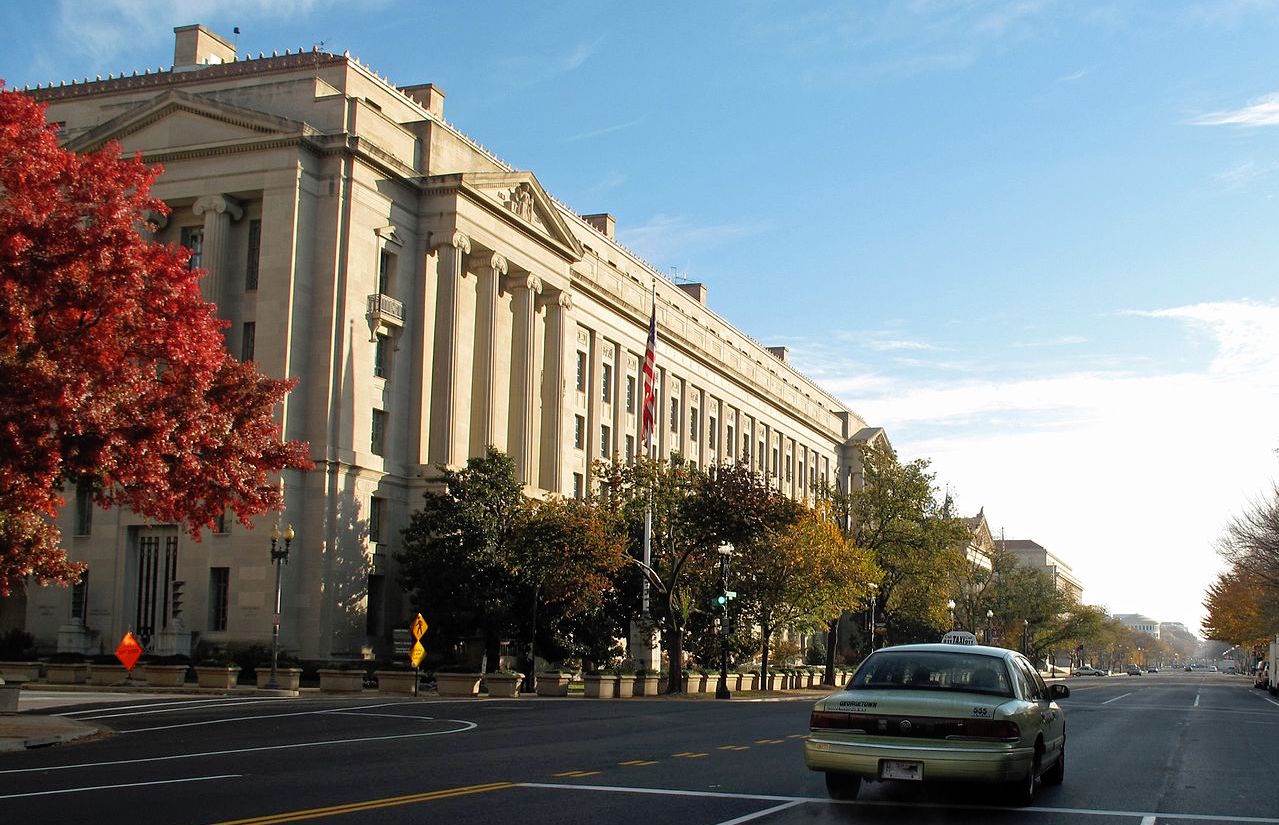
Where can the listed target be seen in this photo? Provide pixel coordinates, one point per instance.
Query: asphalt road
(1169, 747)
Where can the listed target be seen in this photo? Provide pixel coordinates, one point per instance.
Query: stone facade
(431, 300)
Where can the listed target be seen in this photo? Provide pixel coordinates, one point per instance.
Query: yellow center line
(638, 762)
(367, 805)
(734, 747)
(688, 755)
(797, 736)
(769, 741)
(575, 773)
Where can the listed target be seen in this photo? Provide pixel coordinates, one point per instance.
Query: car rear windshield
(932, 670)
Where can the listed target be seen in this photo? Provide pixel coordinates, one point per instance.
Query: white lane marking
(321, 712)
(1196, 705)
(297, 745)
(868, 803)
(1271, 701)
(758, 814)
(109, 713)
(1117, 698)
(118, 787)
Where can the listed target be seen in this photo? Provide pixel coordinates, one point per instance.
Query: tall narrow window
(578, 484)
(712, 431)
(581, 371)
(382, 357)
(377, 515)
(378, 437)
(606, 383)
(219, 523)
(385, 271)
(219, 584)
(674, 415)
(729, 441)
(247, 342)
(630, 449)
(692, 423)
(777, 469)
(630, 394)
(80, 598)
(192, 238)
(83, 507)
(579, 432)
(255, 252)
(606, 441)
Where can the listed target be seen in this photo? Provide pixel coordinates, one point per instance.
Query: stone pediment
(523, 198)
(177, 119)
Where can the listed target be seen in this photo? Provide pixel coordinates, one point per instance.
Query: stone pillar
(484, 384)
(218, 212)
(559, 344)
(524, 386)
(446, 447)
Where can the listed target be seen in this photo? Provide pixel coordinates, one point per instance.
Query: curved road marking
(466, 726)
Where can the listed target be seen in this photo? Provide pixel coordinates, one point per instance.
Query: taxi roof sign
(959, 637)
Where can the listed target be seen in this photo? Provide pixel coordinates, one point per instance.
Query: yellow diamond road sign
(419, 627)
(418, 654)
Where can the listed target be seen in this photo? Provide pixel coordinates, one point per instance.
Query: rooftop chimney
(697, 291)
(782, 353)
(430, 98)
(602, 223)
(195, 46)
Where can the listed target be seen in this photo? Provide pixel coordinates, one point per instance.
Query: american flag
(649, 418)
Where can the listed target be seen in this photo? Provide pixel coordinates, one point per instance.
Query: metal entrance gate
(157, 570)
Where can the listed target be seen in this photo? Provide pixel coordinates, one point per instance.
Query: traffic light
(721, 599)
(175, 599)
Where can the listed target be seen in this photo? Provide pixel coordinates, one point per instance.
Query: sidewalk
(19, 731)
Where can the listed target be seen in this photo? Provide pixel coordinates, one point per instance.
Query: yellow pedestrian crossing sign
(419, 627)
(417, 654)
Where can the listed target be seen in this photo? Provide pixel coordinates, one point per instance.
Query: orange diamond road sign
(128, 651)
(419, 627)
(418, 654)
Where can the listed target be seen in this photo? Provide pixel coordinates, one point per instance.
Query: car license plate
(893, 769)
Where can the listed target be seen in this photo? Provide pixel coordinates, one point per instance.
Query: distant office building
(981, 545)
(1033, 554)
(432, 300)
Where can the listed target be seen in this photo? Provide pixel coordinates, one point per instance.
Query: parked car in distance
(1212, 669)
(1262, 679)
(1087, 670)
(1152, 670)
(940, 712)
(1133, 670)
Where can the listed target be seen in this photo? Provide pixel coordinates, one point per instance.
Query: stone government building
(431, 300)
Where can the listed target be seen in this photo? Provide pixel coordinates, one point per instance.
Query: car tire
(842, 785)
(1057, 773)
(1022, 791)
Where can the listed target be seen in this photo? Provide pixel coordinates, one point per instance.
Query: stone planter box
(693, 682)
(287, 678)
(333, 680)
(458, 684)
(396, 681)
(9, 698)
(599, 685)
(646, 685)
(107, 674)
(553, 684)
(503, 685)
(749, 681)
(222, 677)
(773, 682)
(625, 687)
(20, 671)
(166, 675)
(66, 673)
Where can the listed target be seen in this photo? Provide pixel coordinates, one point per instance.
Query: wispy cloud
(603, 131)
(1073, 76)
(1063, 341)
(1261, 111)
(580, 54)
(663, 236)
(612, 180)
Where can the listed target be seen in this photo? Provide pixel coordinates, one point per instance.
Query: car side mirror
(1058, 692)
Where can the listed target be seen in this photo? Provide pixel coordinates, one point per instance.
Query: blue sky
(1034, 240)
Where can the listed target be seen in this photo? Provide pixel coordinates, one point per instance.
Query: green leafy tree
(459, 557)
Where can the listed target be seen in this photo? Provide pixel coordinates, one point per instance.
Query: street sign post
(128, 651)
(418, 653)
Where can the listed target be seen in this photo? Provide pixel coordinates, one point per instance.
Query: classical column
(524, 390)
(218, 212)
(484, 383)
(559, 344)
(447, 409)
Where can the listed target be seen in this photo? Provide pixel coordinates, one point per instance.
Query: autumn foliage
(113, 370)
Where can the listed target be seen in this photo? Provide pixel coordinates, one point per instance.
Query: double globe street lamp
(279, 555)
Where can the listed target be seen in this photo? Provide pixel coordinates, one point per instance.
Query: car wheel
(1057, 773)
(842, 785)
(1022, 791)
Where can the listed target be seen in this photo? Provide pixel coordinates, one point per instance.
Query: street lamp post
(1025, 637)
(279, 555)
(950, 605)
(990, 617)
(874, 594)
(721, 691)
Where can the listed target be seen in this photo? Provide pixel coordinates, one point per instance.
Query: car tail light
(1001, 729)
(823, 719)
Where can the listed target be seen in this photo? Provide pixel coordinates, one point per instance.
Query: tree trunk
(832, 642)
(492, 651)
(766, 631)
(675, 649)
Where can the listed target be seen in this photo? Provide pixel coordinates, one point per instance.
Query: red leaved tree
(113, 370)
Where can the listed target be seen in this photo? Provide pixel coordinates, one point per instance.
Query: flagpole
(648, 511)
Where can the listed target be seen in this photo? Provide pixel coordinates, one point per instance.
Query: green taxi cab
(941, 713)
